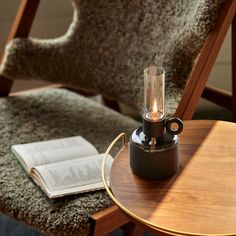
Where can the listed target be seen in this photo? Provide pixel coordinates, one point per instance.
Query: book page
(73, 173)
(40, 153)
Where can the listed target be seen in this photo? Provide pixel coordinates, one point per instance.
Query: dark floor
(9, 227)
(205, 110)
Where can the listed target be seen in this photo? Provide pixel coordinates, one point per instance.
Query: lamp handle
(177, 121)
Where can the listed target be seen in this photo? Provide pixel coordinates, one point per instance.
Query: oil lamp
(154, 146)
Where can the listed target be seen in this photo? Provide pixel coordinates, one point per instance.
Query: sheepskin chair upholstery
(46, 115)
(109, 43)
(105, 50)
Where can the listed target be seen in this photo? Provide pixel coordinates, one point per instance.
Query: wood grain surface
(201, 198)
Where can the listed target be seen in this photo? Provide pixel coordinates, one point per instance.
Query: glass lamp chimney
(153, 116)
(154, 89)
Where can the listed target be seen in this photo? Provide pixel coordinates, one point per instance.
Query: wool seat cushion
(44, 115)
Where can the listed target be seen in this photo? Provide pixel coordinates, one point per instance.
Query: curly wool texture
(47, 115)
(109, 43)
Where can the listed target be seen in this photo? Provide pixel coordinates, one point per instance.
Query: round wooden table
(201, 198)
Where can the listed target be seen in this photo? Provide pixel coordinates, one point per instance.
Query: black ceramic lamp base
(158, 158)
(159, 164)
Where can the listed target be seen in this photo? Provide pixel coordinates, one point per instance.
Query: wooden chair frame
(20, 28)
(111, 218)
(196, 84)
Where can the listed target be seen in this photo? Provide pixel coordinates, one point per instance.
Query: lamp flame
(154, 108)
(154, 113)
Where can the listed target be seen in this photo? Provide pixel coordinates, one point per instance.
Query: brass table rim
(130, 213)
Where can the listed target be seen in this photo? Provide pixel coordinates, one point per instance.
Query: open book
(62, 166)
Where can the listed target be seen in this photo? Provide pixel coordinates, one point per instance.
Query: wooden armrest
(107, 220)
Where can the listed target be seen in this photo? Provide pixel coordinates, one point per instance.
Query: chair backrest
(108, 45)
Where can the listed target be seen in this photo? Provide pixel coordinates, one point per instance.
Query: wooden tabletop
(201, 198)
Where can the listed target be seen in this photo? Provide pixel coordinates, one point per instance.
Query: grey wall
(52, 20)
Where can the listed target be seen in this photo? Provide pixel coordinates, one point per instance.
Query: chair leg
(20, 28)
(233, 57)
(132, 229)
